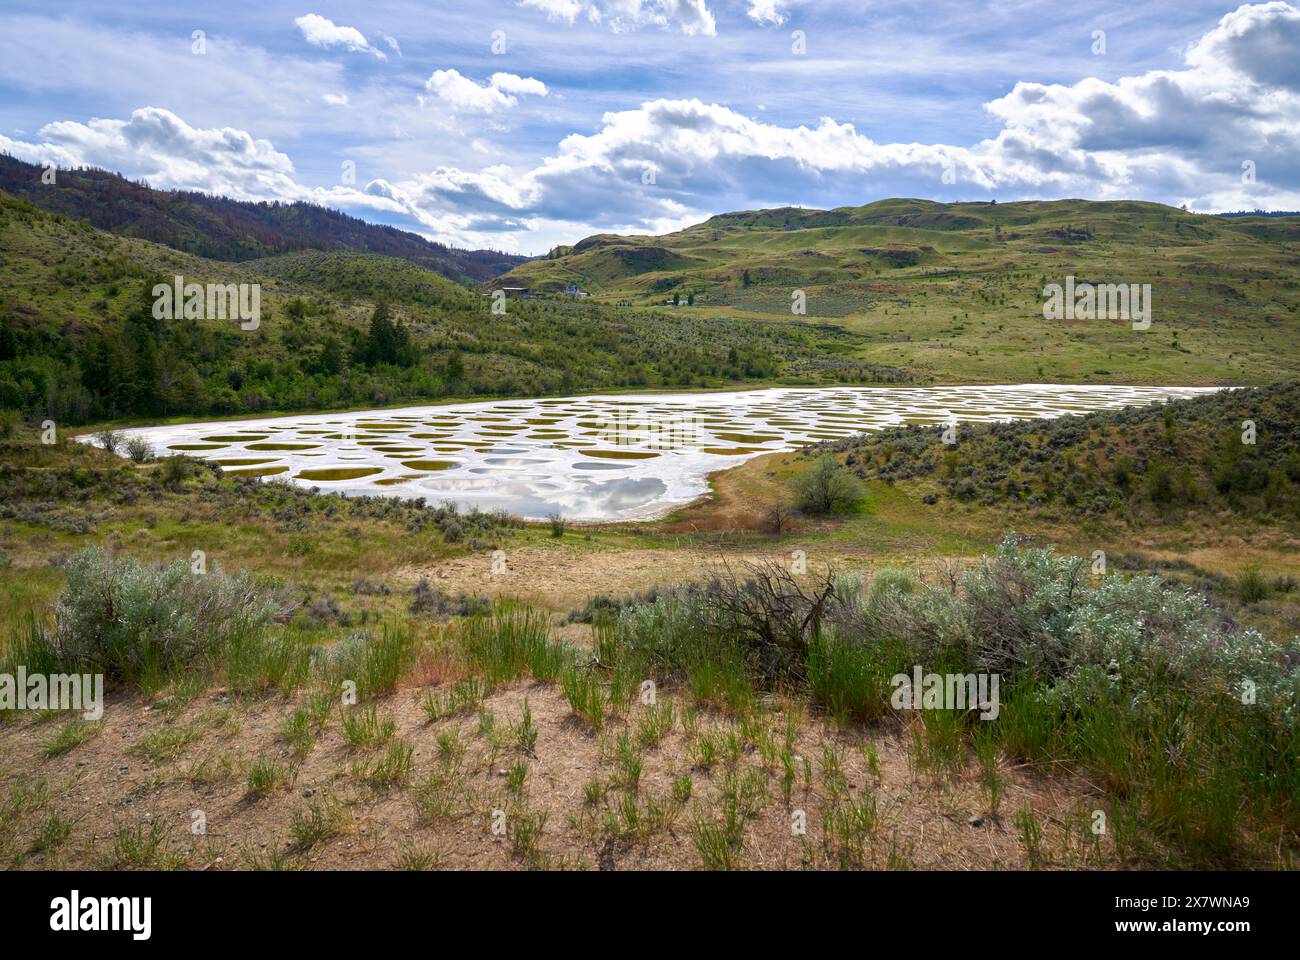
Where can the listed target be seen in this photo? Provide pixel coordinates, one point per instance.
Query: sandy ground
(103, 786)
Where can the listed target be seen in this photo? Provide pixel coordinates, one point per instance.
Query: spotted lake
(596, 457)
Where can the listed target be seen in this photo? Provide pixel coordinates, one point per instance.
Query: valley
(386, 570)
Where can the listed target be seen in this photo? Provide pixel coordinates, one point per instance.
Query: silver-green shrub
(130, 620)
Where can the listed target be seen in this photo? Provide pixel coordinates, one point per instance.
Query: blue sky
(519, 125)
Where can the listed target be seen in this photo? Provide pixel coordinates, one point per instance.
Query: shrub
(135, 623)
(139, 449)
(175, 470)
(428, 599)
(1186, 715)
(826, 487)
(110, 440)
(1252, 586)
(777, 519)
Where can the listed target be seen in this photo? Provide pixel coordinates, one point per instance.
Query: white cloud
(766, 11)
(157, 146)
(1175, 136)
(393, 44)
(566, 10)
(335, 99)
(510, 84)
(499, 93)
(690, 16)
(275, 94)
(321, 32)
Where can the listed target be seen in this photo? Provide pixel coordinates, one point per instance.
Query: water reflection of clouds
(598, 458)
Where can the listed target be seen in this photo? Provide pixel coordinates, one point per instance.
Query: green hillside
(78, 341)
(955, 291)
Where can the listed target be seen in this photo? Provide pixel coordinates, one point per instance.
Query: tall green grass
(511, 641)
(1190, 724)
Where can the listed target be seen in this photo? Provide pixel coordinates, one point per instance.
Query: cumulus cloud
(1261, 41)
(510, 84)
(157, 146)
(500, 92)
(321, 32)
(690, 16)
(1177, 136)
(766, 11)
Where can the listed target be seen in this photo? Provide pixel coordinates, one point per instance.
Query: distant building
(573, 290)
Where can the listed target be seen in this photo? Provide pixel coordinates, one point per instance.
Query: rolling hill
(224, 229)
(955, 291)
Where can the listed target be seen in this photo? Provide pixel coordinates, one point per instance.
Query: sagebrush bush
(135, 622)
(826, 487)
(138, 449)
(1190, 720)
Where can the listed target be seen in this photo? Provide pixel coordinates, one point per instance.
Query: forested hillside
(223, 229)
(78, 340)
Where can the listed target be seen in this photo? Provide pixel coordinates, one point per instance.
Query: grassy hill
(955, 291)
(78, 341)
(225, 229)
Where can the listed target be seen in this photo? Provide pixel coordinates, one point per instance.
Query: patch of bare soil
(571, 798)
(561, 577)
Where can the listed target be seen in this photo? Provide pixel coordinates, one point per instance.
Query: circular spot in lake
(393, 481)
(620, 454)
(430, 464)
(338, 473)
(257, 472)
(746, 437)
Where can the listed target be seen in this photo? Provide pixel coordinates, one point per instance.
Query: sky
(523, 124)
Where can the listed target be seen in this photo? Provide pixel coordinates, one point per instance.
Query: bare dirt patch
(575, 794)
